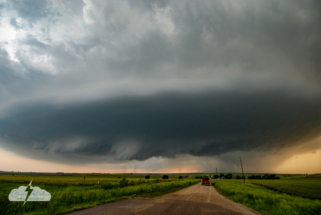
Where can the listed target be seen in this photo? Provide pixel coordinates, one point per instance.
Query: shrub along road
(196, 199)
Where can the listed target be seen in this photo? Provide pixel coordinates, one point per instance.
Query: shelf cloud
(118, 81)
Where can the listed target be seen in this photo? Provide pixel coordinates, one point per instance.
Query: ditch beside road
(196, 199)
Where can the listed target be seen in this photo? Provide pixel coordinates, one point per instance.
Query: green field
(290, 195)
(72, 179)
(69, 192)
(308, 187)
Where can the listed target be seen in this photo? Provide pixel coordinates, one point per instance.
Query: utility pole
(216, 170)
(242, 170)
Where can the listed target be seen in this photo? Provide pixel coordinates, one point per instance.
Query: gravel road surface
(196, 199)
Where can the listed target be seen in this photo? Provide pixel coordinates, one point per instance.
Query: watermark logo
(29, 194)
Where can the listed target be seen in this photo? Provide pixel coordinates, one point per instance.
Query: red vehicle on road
(206, 180)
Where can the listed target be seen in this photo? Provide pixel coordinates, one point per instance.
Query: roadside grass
(266, 201)
(66, 199)
(308, 187)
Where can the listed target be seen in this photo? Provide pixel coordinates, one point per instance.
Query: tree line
(231, 176)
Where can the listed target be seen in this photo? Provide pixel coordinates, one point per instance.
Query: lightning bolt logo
(29, 190)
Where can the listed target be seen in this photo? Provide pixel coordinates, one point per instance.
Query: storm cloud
(133, 80)
(141, 127)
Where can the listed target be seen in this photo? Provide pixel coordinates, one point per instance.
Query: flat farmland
(306, 187)
(292, 194)
(266, 200)
(69, 192)
(74, 179)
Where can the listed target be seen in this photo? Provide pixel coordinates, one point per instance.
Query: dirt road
(196, 199)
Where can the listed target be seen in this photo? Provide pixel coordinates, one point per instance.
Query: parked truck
(206, 180)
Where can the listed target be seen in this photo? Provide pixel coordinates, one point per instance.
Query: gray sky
(138, 82)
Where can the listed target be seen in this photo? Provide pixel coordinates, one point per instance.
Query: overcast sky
(160, 86)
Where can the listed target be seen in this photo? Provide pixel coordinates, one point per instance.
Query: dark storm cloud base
(200, 124)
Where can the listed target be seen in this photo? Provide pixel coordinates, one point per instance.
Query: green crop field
(79, 178)
(290, 195)
(308, 187)
(69, 192)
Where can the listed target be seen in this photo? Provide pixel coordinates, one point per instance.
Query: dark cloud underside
(168, 124)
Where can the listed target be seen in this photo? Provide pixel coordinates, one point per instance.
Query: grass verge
(68, 199)
(267, 201)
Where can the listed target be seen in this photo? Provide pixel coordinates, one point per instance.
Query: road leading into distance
(196, 199)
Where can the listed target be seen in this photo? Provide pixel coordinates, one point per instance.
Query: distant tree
(221, 175)
(215, 176)
(180, 177)
(252, 177)
(228, 176)
(165, 177)
(255, 177)
(270, 176)
(147, 177)
(238, 177)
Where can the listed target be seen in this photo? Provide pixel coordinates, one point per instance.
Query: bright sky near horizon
(297, 164)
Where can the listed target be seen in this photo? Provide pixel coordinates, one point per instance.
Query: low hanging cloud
(133, 80)
(202, 124)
